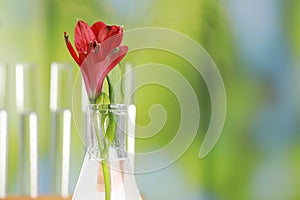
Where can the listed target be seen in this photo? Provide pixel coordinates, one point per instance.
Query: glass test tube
(61, 87)
(129, 83)
(3, 130)
(26, 106)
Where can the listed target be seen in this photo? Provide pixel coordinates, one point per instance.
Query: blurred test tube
(128, 83)
(26, 81)
(3, 130)
(61, 87)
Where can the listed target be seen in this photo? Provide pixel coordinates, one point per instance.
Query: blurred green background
(256, 46)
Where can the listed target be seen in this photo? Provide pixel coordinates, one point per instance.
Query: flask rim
(114, 107)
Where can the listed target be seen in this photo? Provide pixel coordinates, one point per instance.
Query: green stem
(103, 148)
(92, 101)
(110, 89)
(106, 176)
(108, 138)
(97, 133)
(104, 162)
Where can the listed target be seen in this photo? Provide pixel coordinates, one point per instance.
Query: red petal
(116, 58)
(82, 56)
(113, 60)
(91, 73)
(113, 30)
(95, 70)
(83, 34)
(108, 45)
(103, 32)
(99, 30)
(71, 49)
(117, 33)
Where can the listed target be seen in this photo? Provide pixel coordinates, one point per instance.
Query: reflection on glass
(61, 86)
(26, 102)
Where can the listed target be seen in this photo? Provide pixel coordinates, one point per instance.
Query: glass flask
(106, 171)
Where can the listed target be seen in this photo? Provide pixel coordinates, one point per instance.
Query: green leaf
(110, 132)
(103, 99)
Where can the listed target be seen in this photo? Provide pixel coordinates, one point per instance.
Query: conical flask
(106, 172)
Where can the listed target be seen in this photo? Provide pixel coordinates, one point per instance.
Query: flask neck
(106, 131)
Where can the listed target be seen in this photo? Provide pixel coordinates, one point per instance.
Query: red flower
(99, 51)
